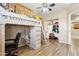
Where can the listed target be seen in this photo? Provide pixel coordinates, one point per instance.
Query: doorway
(73, 31)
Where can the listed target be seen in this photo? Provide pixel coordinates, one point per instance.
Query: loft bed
(16, 19)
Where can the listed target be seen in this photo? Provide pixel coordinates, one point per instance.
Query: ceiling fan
(45, 7)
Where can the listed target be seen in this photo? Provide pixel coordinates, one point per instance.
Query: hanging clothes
(55, 28)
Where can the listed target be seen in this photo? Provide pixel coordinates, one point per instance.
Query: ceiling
(56, 8)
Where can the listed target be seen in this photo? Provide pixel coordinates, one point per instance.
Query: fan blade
(44, 4)
(50, 9)
(39, 7)
(53, 4)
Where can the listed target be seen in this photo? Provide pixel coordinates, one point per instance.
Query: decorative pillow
(76, 26)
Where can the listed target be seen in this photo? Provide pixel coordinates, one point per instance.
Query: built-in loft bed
(16, 19)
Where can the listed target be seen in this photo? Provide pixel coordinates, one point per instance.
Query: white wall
(64, 22)
(48, 28)
(62, 16)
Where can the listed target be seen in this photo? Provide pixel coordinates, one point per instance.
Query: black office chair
(9, 47)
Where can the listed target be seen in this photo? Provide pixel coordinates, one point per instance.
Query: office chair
(9, 47)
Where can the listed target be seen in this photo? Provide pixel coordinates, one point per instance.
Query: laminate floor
(0, 47)
(52, 48)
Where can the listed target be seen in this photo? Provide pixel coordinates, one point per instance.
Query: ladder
(44, 38)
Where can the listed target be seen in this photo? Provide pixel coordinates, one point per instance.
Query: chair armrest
(10, 44)
(9, 39)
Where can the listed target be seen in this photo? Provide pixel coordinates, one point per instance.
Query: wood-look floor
(53, 48)
(0, 47)
(76, 46)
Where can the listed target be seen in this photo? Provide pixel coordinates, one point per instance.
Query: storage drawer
(38, 42)
(38, 46)
(38, 39)
(38, 34)
(38, 30)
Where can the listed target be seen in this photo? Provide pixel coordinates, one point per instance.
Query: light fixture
(44, 9)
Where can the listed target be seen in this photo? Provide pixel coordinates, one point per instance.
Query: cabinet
(35, 40)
